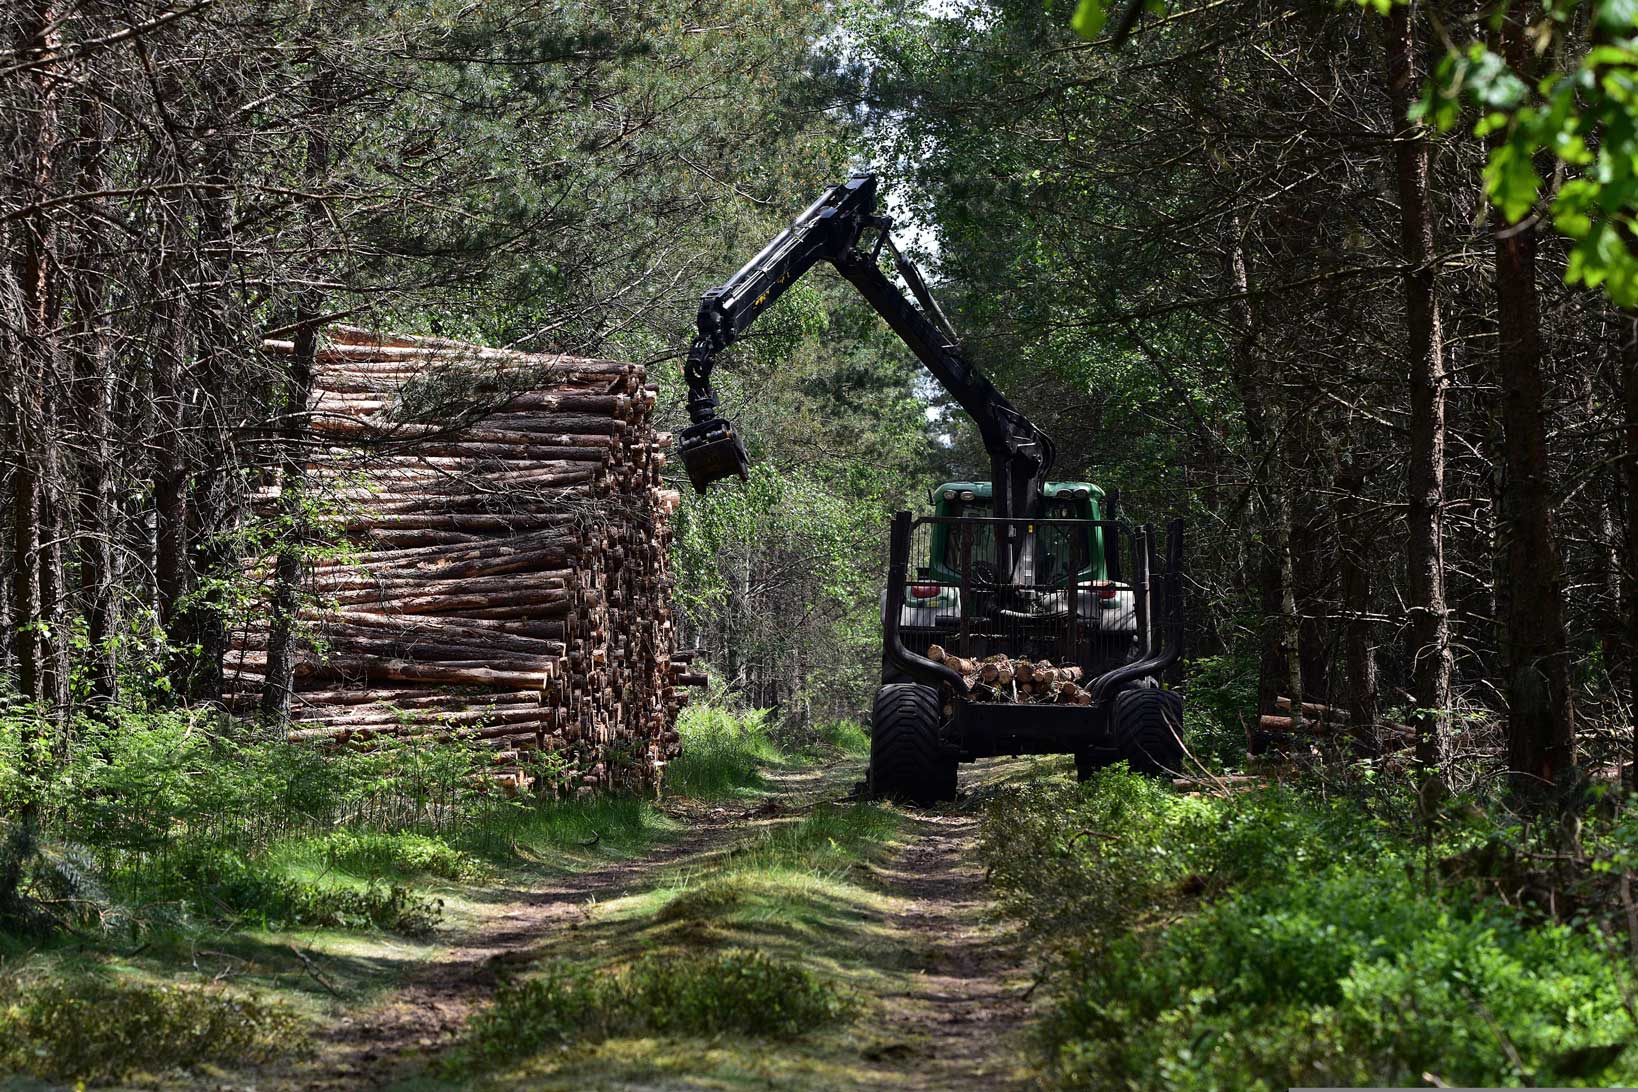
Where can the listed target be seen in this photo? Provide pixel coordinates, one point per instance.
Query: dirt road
(908, 926)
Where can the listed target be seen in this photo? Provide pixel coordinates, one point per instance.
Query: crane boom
(833, 229)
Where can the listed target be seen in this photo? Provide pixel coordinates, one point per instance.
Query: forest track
(963, 1015)
(384, 1043)
(951, 1021)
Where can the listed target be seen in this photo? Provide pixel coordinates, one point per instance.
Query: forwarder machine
(1016, 565)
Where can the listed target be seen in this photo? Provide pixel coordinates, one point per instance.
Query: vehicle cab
(952, 558)
(1060, 551)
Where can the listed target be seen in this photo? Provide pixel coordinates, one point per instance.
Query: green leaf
(1090, 16)
(1618, 15)
(1496, 85)
(1512, 182)
(1571, 208)
(1495, 121)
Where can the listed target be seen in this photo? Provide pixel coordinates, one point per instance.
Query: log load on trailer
(1014, 569)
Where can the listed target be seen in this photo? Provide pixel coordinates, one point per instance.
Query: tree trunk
(1629, 375)
(1290, 621)
(1612, 637)
(286, 605)
(1425, 563)
(32, 243)
(1280, 667)
(170, 471)
(1354, 558)
(1541, 710)
(8, 616)
(281, 650)
(196, 670)
(90, 348)
(54, 667)
(25, 553)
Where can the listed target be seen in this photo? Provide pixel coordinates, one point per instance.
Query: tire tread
(1146, 726)
(906, 759)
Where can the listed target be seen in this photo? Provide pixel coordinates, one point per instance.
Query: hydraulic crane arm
(831, 230)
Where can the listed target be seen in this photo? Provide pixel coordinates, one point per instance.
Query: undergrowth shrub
(92, 1029)
(1287, 937)
(144, 781)
(736, 992)
(1089, 862)
(46, 888)
(1351, 977)
(1222, 693)
(159, 814)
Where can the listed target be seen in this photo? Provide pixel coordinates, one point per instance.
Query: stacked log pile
(1001, 678)
(502, 565)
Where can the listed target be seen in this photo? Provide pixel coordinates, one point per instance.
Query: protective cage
(1094, 593)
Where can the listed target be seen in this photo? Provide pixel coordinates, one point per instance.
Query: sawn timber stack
(501, 570)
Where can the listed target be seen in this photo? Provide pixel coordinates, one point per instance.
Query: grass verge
(724, 754)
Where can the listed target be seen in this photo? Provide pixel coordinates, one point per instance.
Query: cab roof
(983, 489)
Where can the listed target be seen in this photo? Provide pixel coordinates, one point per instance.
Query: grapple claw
(711, 451)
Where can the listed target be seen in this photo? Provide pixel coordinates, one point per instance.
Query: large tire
(906, 761)
(1147, 727)
(1090, 762)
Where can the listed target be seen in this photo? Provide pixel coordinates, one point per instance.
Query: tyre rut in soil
(906, 761)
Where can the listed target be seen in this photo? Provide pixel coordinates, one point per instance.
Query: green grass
(776, 884)
(828, 838)
(802, 886)
(309, 884)
(575, 832)
(723, 754)
(214, 884)
(847, 737)
(360, 906)
(378, 855)
(781, 937)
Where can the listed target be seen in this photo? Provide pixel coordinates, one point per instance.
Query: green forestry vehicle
(1017, 566)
